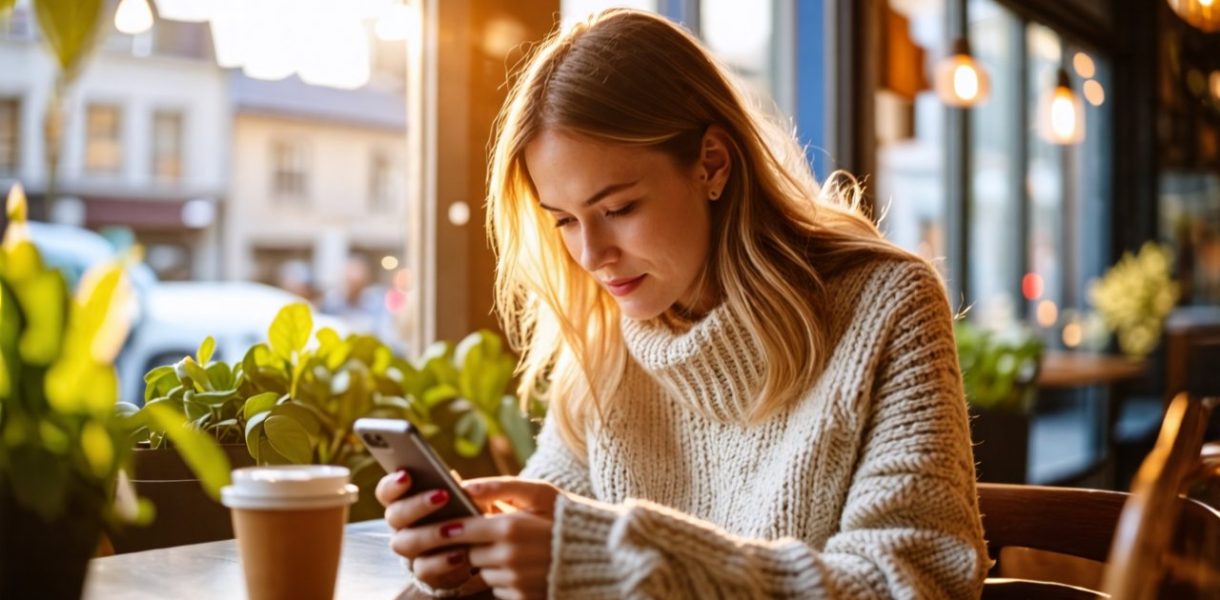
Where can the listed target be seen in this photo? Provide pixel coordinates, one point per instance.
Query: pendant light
(133, 16)
(1200, 14)
(960, 80)
(1061, 113)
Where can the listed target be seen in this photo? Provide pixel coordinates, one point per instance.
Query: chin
(640, 310)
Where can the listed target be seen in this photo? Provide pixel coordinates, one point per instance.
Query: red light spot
(1031, 286)
(395, 301)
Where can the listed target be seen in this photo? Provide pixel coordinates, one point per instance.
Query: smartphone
(396, 444)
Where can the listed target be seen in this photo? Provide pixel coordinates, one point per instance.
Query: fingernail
(455, 558)
(403, 476)
(439, 497)
(451, 530)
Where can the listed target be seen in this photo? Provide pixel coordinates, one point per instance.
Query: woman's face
(632, 217)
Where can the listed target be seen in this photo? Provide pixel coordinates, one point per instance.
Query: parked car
(170, 319)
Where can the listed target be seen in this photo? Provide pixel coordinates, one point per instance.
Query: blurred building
(316, 176)
(145, 140)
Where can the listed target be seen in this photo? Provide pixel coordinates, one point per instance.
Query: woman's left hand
(512, 549)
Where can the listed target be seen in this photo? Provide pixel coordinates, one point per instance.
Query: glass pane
(740, 34)
(1043, 285)
(910, 182)
(994, 212)
(577, 10)
(1090, 184)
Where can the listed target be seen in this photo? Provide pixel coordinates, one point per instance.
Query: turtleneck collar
(714, 367)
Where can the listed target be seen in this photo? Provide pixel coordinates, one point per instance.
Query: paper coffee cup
(289, 523)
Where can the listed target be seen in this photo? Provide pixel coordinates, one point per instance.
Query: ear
(715, 161)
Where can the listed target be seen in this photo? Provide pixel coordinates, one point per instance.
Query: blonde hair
(633, 78)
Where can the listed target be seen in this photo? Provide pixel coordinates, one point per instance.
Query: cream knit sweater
(863, 489)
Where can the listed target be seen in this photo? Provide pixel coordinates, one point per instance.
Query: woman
(752, 394)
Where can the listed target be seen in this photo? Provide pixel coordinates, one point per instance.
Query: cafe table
(1074, 369)
(367, 570)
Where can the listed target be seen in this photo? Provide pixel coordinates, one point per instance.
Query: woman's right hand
(442, 570)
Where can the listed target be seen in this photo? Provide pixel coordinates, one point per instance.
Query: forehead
(567, 168)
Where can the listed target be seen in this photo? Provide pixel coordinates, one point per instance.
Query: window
(910, 127)
(167, 146)
(289, 178)
(103, 139)
(18, 22)
(381, 188)
(10, 135)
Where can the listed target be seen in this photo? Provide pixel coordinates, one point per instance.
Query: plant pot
(40, 559)
(185, 513)
(1001, 444)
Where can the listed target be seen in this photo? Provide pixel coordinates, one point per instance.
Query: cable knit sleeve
(909, 528)
(553, 462)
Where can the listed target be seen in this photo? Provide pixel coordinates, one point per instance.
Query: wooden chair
(1166, 545)
(1150, 543)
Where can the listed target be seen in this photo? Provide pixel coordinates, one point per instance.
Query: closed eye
(618, 212)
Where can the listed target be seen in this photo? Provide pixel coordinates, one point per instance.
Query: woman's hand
(447, 570)
(511, 549)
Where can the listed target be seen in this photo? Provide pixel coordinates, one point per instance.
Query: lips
(622, 286)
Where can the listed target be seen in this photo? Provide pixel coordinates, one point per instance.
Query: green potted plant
(999, 374)
(294, 398)
(1135, 296)
(187, 515)
(64, 438)
(484, 418)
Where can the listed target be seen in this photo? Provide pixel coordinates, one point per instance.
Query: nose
(597, 248)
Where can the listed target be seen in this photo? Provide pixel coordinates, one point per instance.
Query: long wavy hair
(633, 78)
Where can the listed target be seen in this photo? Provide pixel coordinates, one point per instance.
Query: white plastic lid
(288, 487)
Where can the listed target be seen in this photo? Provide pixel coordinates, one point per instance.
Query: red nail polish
(451, 530)
(439, 497)
(403, 476)
(455, 558)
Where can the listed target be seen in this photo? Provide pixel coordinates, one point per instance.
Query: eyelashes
(610, 214)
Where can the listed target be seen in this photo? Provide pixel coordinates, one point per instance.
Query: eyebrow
(599, 196)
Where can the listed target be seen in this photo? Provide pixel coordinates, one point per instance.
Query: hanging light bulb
(133, 16)
(1200, 14)
(1061, 114)
(960, 80)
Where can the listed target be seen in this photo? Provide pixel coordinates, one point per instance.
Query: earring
(714, 194)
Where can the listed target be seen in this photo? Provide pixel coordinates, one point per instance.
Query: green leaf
(289, 439)
(43, 299)
(157, 373)
(517, 428)
(254, 435)
(187, 368)
(198, 450)
(101, 318)
(328, 339)
(213, 399)
(220, 375)
(97, 447)
(259, 403)
(70, 28)
(206, 348)
(290, 330)
(470, 434)
(438, 394)
(303, 416)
